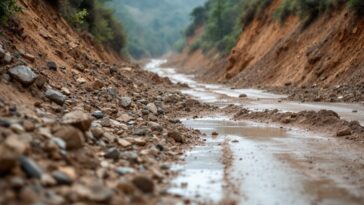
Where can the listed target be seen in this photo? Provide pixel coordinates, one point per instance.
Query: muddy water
(252, 163)
(257, 100)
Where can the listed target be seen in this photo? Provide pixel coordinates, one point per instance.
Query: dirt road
(244, 162)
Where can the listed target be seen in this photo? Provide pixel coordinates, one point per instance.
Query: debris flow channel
(244, 162)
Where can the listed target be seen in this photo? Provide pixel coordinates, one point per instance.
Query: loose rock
(52, 65)
(78, 119)
(55, 96)
(30, 167)
(152, 108)
(125, 102)
(176, 136)
(73, 137)
(23, 74)
(144, 184)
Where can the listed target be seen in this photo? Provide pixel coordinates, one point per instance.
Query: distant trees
(223, 20)
(92, 16)
(154, 27)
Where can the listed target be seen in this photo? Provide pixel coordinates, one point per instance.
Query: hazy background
(154, 27)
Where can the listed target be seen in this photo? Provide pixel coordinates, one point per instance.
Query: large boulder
(23, 74)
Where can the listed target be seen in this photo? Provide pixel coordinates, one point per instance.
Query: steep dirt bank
(325, 54)
(78, 124)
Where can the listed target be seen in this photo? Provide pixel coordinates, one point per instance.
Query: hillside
(78, 122)
(307, 58)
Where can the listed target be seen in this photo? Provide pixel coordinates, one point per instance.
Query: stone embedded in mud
(152, 108)
(98, 114)
(73, 137)
(144, 184)
(97, 132)
(140, 141)
(176, 136)
(78, 119)
(8, 58)
(155, 126)
(2, 52)
(344, 132)
(124, 170)
(96, 192)
(55, 96)
(28, 56)
(23, 74)
(125, 102)
(52, 65)
(30, 167)
(28, 125)
(62, 178)
(112, 153)
(141, 131)
(124, 143)
(243, 95)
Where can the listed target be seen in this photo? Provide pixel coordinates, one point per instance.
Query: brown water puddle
(251, 163)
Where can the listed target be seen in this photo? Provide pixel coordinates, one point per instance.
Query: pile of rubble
(106, 135)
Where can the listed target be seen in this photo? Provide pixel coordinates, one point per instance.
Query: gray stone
(30, 167)
(59, 142)
(23, 74)
(124, 170)
(125, 102)
(141, 131)
(112, 91)
(112, 153)
(131, 156)
(8, 58)
(62, 178)
(100, 193)
(55, 96)
(152, 108)
(2, 53)
(98, 114)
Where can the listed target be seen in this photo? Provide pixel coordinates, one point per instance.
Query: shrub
(307, 10)
(92, 16)
(7, 9)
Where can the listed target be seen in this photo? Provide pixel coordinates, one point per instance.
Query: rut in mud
(244, 162)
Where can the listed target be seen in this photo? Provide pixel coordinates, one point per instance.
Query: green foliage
(92, 16)
(222, 20)
(199, 16)
(251, 9)
(357, 6)
(307, 10)
(7, 9)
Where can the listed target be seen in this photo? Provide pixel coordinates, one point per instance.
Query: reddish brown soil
(268, 54)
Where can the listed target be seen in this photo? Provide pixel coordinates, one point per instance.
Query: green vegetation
(7, 9)
(154, 27)
(92, 16)
(307, 10)
(357, 6)
(223, 20)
